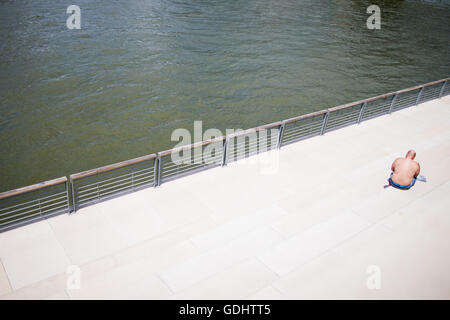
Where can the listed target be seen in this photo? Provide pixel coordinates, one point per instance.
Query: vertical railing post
(442, 89)
(325, 121)
(67, 196)
(418, 96)
(158, 170)
(73, 196)
(392, 102)
(363, 107)
(224, 151)
(280, 134)
(155, 172)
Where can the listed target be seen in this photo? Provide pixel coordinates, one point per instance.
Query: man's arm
(393, 165)
(418, 170)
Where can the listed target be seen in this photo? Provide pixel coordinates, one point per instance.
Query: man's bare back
(405, 169)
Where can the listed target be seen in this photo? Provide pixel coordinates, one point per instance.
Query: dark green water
(72, 100)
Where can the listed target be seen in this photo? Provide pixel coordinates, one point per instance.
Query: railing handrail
(33, 187)
(390, 94)
(110, 167)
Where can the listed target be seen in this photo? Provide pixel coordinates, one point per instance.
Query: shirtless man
(404, 171)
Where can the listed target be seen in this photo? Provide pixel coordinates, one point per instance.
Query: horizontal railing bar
(177, 173)
(299, 128)
(23, 203)
(350, 116)
(100, 184)
(84, 186)
(340, 114)
(330, 123)
(299, 123)
(114, 185)
(338, 123)
(191, 146)
(244, 155)
(293, 133)
(34, 205)
(245, 146)
(413, 101)
(371, 116)
(95, 184)
(10, 225)
(20, 219)
(240, 145)
(102, 190)
(84, 202)
(194, 157)
(33, 215)
(430, 94)
(184, 169)
(189, 158)
(191, 161)
(406, 98)
(192, 166)
(374, 106)
(112, 167)
(33, 187)
(39, 208)
(289, 133)
(377, 107)
(244, 143)
(108, 193)
(374, 111)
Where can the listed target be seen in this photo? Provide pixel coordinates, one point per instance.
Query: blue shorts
(399, 186)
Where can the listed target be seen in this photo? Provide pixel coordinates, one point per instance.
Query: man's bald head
(411, 154)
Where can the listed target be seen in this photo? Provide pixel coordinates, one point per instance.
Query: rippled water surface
(72, 100)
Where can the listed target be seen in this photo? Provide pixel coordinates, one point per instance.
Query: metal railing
(109, 181)
(32, 203)
(181, 161)
(243, 144)
(88, 187)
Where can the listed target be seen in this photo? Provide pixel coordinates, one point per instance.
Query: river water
(72, 100)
